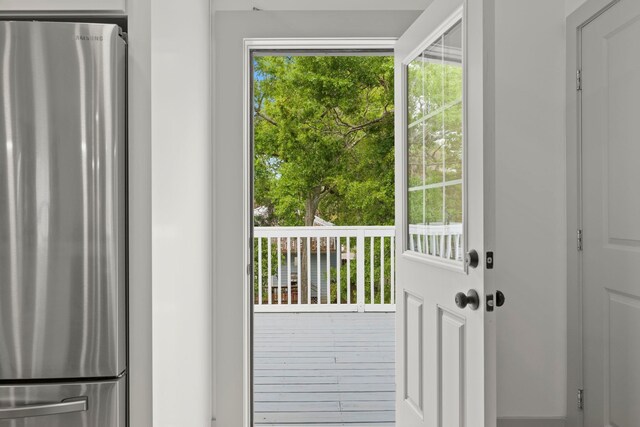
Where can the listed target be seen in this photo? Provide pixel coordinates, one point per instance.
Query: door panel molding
(451, 368)
(413, 372)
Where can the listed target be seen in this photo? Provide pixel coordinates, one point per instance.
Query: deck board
(324, 369)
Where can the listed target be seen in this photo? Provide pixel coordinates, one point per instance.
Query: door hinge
(580, 398)
(578, 79)
(249, 270)
(579, 240)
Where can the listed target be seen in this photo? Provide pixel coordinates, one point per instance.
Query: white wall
(531, 230)
(181, 219)
(140, 245)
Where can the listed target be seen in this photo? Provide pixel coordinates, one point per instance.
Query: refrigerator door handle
(76, 404)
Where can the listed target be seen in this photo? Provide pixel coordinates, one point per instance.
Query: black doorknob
(472, 258)
(499, 299)
(471, 299)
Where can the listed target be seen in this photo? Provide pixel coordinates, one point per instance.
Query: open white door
(445, 353)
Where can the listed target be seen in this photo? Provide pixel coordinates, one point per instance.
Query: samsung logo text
(89, 38)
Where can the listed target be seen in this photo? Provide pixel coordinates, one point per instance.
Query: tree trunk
(310, 211)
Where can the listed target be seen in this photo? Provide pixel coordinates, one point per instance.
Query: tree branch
(356, 128)
(266, 118)
(369, 123)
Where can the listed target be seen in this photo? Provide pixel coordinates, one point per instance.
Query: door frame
(272, 44)
(585, 14)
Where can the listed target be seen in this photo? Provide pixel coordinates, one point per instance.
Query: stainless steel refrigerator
(62, 225)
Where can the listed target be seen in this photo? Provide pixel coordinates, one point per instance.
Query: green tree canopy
(324, 139)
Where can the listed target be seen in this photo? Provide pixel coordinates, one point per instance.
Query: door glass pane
(435, 148)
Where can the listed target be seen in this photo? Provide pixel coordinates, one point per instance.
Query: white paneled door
(445, 353)
(611, 216)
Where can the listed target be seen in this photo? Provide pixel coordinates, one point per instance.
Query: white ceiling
(301, 5)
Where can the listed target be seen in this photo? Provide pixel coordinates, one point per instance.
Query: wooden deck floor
(324, 369)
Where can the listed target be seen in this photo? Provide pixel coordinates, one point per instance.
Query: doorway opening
(323, 237)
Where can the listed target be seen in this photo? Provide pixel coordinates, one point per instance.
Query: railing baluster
(338, 265)
(269, 276)
(455, 246)
(348, 270)
(427, 245)
(308, 260)
(288, 270)
(393, 270)
(328, 271)
(360, 249)
(299, 274)
(318, 265)
(441, 240)
(279, 242)
(372, 271)
(382, 270)
(259, 270)
(433, 245)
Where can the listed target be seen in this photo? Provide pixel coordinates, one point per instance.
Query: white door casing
(445, 356)
(610, 216)
(231, 323)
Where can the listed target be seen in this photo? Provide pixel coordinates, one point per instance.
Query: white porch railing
(444, 241)
(338, 268)
(324, 269)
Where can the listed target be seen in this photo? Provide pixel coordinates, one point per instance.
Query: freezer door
(97, 404)
(62, 201)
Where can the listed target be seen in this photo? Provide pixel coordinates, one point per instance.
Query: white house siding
(333, 258)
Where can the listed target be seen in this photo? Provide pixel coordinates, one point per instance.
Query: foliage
(435, 140)
(348, 283)
(323, 138)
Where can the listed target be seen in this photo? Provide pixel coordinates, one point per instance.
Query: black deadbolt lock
(499, 301)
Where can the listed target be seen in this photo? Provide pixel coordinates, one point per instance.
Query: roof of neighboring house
(319, 222)
(261, 211)
(314, 245)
